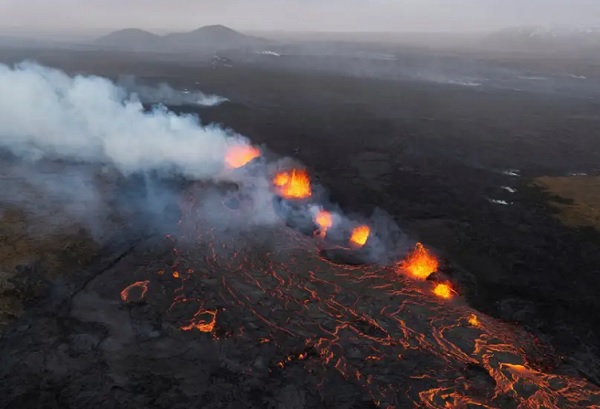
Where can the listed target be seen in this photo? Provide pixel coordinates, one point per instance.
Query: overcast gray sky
(295, 15)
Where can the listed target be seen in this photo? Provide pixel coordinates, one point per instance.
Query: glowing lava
(358, 322)
(420, 263)
(473, 320)
(443, 290)
(281, 179)
(200, 323)
(240, 155)
(360, 235)
(324, 221)
(294, 184)
(136, 292)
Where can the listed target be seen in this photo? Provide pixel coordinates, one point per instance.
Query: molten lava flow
(360, 235)
(443, 290)
(201, 324)
(378, 332)
(324, 221)
(294, 184)
(136, 292)
(420, 263)
(240, 155)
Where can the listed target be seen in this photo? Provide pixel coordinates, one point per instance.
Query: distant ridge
(204, 39)
(131, 38)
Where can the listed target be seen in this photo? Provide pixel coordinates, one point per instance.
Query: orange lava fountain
(294, 184)
(281, 179)
(360, 235)
(443, 290)
(239, 155)
(324, 221)
(420, 263)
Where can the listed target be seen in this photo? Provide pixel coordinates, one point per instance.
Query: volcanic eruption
(360, 235)
(443, 290)
(293, 184)
(324, 220)
(259, 305)
(240, 155)
(419, 263)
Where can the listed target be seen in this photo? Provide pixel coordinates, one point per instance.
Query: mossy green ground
(23, 243)
(581, 194)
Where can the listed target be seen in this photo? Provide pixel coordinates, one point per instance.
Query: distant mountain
(546, 38)
(131, 38)
(204, 39)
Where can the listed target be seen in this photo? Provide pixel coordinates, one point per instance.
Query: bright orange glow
(281, 179)
(136, 292)
(324, 221)
(443, 290)
(239, 155)
(294, 184)
(360, 235)
(473, 320)
(419, 263)
(201, 324)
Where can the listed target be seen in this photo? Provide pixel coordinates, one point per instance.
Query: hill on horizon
(204, 39)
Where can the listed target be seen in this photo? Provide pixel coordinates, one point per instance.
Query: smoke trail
(165, 94)
(45, 113)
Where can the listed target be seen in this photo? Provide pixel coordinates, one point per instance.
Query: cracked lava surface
(400, 341)
(207, 319)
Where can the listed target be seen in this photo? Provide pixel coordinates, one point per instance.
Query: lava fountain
(419, 263)
(360, 235)
(240, 155)
(294, 184)
(324, 220)
(443, 290)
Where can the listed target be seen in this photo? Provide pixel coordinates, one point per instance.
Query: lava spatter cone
(419, 263)
(293, 184)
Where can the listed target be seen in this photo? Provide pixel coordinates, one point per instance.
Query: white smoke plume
(87, 121)
(68, 132)
(165, 94)
(45, 113)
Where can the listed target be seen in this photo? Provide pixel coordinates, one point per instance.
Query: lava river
(399, 341)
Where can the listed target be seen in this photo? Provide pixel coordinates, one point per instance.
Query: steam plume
(45, 113)
(165, 94)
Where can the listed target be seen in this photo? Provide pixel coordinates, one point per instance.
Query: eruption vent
(443, 290)
(240, 155)
(360, 235)
(420, 263)
(294, 184)
(473, 320)
(324, 221)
